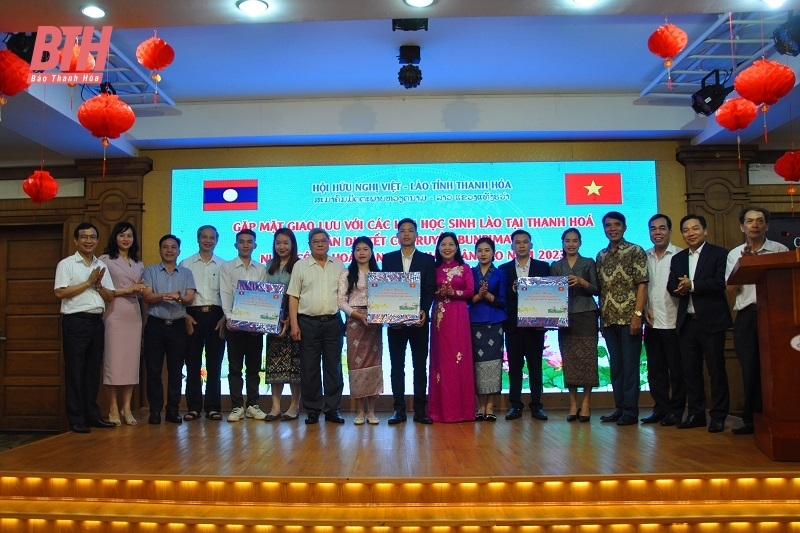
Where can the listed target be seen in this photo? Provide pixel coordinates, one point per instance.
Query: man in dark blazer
(409, 259)
(697, 277)
(523, 343)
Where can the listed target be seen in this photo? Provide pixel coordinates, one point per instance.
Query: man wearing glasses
(84, 287)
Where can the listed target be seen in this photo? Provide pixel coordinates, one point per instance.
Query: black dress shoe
(572, 418)
(100, 423)
(613, 417)
(397, 418)
(480, 417)
(584, 418)
(670, 420)
(80, 428)
(173, 417)
(539, 414)
(514, 413)
(334, 417)
(693, 421)
(155, 418)
(744, 430)
(627, 420)
(312, 418)
(653, 418)
(717, 425)
(423, 419)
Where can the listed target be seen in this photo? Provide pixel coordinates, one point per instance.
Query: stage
(474, 476)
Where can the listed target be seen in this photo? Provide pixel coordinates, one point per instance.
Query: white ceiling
(325, 71)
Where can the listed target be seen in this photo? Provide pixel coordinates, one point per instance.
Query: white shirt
(406, 261)
(316, 288)
(522, 271)
(73, 270)
(659, 300)
(206, 279)
(693, 258)
(229, 275)
(746, 294)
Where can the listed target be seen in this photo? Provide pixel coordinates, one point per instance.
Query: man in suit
(697, 277)
(409, 259)
(523, 343)
(754, 223)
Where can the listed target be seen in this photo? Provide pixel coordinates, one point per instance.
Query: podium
(777, 280)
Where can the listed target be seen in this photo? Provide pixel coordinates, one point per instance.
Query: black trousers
(525, 344)
(417, 338)
(697, 345)
(321, 342)
(82, 335)
(665, 371)
(745, 342)
(245, 350)
(204, 336)
(160, 341)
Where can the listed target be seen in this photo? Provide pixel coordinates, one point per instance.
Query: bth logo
(48, 45)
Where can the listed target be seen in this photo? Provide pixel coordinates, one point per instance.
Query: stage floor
(470, 451)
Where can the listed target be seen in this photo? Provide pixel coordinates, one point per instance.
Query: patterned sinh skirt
(487, 357)
(364, 352)
(283, 360)
(578, 345)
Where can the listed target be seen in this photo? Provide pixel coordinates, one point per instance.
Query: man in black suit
(523, 343)
(697, 277)
(409, 259)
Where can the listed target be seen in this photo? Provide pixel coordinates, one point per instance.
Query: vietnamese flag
(230, 195)
(593, 188)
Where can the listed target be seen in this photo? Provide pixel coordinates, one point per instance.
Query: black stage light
(787, 36)
(710, 97)
(21, 44)
(409, 24)
(409, 75)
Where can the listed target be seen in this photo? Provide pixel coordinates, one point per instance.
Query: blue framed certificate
(543, 302)
(257, 307)
(393, 297)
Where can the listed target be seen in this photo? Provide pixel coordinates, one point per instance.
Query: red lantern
(14, 75)
(73, 64)
(155, 54)
(40, 186)
(106, 116)
(764, 82)
(667, 42)
(736, 114)
(788, 166)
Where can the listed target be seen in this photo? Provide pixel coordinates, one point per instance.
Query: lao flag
(593, 188)
(230, 195)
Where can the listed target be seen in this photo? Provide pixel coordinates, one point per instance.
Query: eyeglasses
(317, 241)
(87, 237)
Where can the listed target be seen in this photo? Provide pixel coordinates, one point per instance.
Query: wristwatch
(638, 313)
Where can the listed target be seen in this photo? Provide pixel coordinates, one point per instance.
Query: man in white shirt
(84, 287)
(317, 324)
(245, 349)
(205, 327)
(754, 222)
(664, 368)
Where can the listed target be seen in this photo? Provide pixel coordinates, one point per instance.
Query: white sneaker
(255, 411)
(236, 415)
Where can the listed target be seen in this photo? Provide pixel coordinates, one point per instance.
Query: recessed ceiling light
(252, 7)
(419, 3)
(93, 12)
(774, 3)
(585, 3)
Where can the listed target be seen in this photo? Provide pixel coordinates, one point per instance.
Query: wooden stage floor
(527, 448)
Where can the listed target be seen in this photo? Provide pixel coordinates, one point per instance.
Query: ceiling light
(410, 75)
(585, 3)
(787, 36)
(774, 3)
(93, 12)
(252, 7)
(710, 97)
(419, 3)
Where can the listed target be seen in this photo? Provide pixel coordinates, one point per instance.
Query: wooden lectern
(777, 280)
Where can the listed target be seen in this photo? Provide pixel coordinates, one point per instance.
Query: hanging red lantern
(155, 54)
(764, 82)
(15, 75)
(40, 186)
(788, 166)
(73, 64)
(106, 116)
(736, 114)
(667, 42)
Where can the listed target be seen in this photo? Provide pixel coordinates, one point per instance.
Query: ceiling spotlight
(774, 3)
(93, 12)
(21, 44)
(409, 24)
(410, 75)
(710, 97)
(787, 36)
(252, 7)
(585, 3)
(419, 3)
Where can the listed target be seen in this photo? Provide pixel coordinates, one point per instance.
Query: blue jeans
(624, 353)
